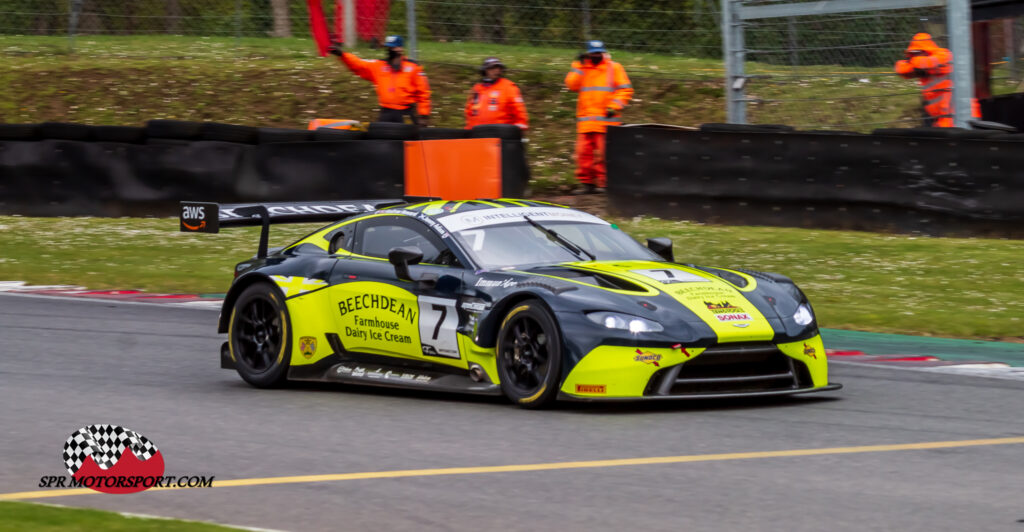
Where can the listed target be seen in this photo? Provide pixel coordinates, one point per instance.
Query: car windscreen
(519, 244)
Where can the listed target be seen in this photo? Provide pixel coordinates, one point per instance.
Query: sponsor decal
(496, 283)
(741, 325)
(294, 285)
(683, 349)
(196, 214)
(380, 316)
(648, 357)
(382, 374)
(727, 312)
(475, 306)
(115, 459)
(485, 217)
(378, 302)
(591, 388)
(320, 208)
(307, 346)
(671, 276)
(810, 351)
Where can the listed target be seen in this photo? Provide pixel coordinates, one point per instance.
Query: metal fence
(816, 71)
(832, 71)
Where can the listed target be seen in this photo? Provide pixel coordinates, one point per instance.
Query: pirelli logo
(591, 388)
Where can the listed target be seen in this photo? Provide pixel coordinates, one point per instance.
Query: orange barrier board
(456, 169)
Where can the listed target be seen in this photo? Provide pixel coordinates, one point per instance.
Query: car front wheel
(529, 355)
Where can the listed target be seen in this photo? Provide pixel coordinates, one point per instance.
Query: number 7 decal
(444, 312)
(438, 321)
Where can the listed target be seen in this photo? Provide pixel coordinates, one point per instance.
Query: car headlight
(803, 315)
(626, 322)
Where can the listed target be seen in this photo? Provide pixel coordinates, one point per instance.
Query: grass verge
(20, 516)
(962, 288)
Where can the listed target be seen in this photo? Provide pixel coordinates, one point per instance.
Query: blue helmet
(594, 47)
(391, 41)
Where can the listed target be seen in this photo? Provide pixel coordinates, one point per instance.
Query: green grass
(126, 80)
(966, 288)
(20, 516)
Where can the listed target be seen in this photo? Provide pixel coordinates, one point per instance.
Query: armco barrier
(49, 177)
(863, 182)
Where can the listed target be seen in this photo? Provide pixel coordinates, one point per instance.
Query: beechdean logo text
(115, 459)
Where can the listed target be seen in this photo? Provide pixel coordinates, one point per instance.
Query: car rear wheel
(529, 355)
(259, 336)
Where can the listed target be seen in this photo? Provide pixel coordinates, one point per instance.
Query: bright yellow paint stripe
(553, 466)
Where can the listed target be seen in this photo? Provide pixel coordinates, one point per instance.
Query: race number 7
(438, 321)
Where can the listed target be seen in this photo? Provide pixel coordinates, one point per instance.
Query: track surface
(69, 363)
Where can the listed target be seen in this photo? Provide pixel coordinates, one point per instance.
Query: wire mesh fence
(835, 71)
(815, 72)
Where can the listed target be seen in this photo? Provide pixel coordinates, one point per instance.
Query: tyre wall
(950, 182)
(59, 169)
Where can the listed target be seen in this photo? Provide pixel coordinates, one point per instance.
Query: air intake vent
(596, 279)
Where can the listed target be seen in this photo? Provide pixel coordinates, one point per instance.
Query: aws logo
(196, 213)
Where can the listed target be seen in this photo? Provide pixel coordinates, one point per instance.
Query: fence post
(349, 12)
(76, 9)
(412, 46)
(958, 22)
(732, 48)
(585, 6)
(238, 23)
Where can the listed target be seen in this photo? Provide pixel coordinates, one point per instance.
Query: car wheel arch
(488, 332)
(236, 289)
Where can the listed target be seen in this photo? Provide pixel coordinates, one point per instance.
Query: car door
(380, 314)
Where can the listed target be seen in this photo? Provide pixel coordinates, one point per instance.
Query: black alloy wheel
(259, 336)
(529, 355)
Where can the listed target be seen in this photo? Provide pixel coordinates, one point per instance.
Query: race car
(526, 299)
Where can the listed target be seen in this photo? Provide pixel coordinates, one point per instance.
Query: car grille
(732, 369)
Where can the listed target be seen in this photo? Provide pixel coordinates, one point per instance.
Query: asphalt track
(860, 459)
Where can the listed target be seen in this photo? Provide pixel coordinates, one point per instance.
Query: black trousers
(398, 115)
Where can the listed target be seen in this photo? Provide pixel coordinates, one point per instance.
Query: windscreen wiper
(576, 250)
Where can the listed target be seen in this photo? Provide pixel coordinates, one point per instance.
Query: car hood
(729, 310)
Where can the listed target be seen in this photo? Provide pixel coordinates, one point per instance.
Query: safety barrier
(58, 169)
(953, 182)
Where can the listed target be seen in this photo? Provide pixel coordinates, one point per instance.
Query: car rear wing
(207, 217)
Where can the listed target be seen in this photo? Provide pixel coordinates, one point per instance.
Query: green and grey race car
(521, 298)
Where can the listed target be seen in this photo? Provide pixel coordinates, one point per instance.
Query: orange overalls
(395, 90)
(499, 102)
(602, 87)
(933, 67)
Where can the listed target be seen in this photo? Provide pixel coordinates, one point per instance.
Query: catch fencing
(815, 70)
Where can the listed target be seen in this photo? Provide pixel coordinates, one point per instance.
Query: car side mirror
(336, 241)
(402, 258)
(662, 246)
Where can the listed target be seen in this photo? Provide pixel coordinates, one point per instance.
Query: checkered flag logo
(105, 444)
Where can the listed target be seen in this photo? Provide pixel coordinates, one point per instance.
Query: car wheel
(529, 355)
(259, 336)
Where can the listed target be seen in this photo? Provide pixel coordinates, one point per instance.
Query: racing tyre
(259, 336)
(19, 131)
(496, 131)
(65, 131)
(746, 128)
(229, 133)
(174, 129)
(268, 135)
(530, 355)
(124, 134)
(392, 131)
(328, 134)
(443, 133)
